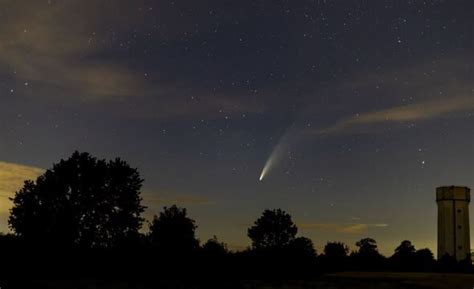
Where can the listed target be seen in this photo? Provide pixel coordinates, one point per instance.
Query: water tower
(453, 221)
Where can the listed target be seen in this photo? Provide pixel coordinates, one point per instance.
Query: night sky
(361, 108)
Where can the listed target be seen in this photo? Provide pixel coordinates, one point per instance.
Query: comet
(292, 136)
(267, 166)
(278, 152)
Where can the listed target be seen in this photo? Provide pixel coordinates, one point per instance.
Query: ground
(346, 280)
(380, 280)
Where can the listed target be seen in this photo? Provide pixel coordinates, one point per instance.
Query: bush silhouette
(80, 202)
(214, 248)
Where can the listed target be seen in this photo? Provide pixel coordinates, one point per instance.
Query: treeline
(82, 218)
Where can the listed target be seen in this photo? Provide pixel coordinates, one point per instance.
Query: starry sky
(360, 109)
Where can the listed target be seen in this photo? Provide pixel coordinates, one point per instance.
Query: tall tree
(80, 202)
(274, 229)
(173, 231)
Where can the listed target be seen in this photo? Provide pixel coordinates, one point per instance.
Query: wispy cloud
(42, 45)
(427, 110)
(65, 52)
(349, 228)
(12, 177)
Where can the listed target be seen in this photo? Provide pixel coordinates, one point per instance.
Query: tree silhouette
(336, 250)
(335, 256)
(367, 247)
(367, 256)
(80, 202)
(275, 248)
(405, 249)
(173, 231)
(465, 265)
(447, 263)
(8, 242)
(302, 247)
(424, 259)
(274, 229)
(404, 257)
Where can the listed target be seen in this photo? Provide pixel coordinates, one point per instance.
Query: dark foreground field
(356, 280)
(370, 280)
(346, 280)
